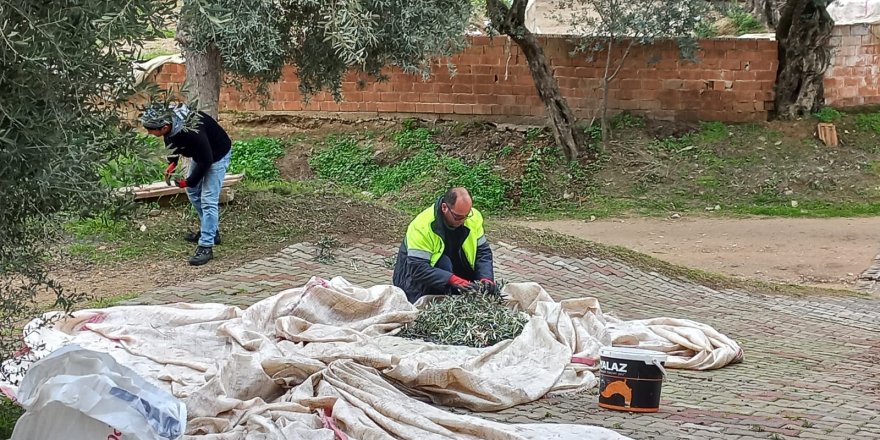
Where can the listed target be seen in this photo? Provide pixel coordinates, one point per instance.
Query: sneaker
(193, 237)
(203, 255)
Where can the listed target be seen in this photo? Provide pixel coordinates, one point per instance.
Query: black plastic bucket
(630, 379)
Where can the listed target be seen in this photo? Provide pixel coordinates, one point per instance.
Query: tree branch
(632, 42)
(507, 20)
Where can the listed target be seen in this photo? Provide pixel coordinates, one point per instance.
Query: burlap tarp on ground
(321, 361)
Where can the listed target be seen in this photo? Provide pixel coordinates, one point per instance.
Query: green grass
(869, 122)
(744, 21)
(811, 209)
(256, 158)
(104, 225)
(424, 171)
(828, 114)
(146, 56)
(743, 168)
(9, 415)
(109, 301)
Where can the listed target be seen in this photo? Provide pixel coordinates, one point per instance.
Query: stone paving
(869, 280)
(811, 369)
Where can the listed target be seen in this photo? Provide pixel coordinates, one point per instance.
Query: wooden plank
(160, 189)
(828, 134)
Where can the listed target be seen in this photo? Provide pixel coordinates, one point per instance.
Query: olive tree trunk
(510, 21)
(803, 33)
(204, 73)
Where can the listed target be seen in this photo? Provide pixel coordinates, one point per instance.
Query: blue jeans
(205, 198)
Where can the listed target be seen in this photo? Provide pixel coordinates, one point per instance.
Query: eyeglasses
(459, 217)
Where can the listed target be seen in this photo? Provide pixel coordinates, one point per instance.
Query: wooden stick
(160, 189)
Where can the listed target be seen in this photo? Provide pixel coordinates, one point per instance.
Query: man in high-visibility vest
(445, 250)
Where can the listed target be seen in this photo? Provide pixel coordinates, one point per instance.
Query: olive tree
(598, 25)
(252, 40)
(65, 81)
(605, 25)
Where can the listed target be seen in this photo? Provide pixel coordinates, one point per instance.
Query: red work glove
(181, 183)
(168, 171)
(491, 287)
(459, 284)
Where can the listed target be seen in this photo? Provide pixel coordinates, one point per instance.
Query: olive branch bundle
(475, 318)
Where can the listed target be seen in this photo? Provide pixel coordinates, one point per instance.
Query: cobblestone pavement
(811, 369)
(869, 279)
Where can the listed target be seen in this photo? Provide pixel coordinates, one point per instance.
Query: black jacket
(417, 277)
(205, 146)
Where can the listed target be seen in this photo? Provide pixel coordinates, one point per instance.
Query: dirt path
(817, 252)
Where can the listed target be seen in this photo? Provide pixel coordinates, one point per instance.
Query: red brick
(429, 97)
(406, 107)
(650, 95)
(483, 70)
(693, 74)
(448, 98)
(402, 86)
(443, 108)
(480, 40)
(390, 107)
(745, 44)
(463, 109)
(484, 89)
(465, 98)
(389, 97)
(650, 105)
(421, 87)
(673, 84)
(486, 99)
(383, 86)
(744, 75)
(506, 99)
(424, 108)
(291, 105)
(763, 64)
(329, 106)
(481, 109)
(524, 90)
(462, 70)
(765, 75)
(440, 87)
(650, 84)
(527, 100)
(744, 106)
(462, 80)
(628, 104)
(410, 97)
(725, 44)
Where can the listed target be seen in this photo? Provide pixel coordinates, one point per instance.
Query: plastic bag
(79, 394)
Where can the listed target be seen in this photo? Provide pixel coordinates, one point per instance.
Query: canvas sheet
(322, 361)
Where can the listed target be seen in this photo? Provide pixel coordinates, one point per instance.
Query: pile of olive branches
(475, 318)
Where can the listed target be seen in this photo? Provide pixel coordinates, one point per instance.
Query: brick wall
(854, 76)
(733, 81)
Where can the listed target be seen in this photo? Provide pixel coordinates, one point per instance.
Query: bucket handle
(659, 365)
